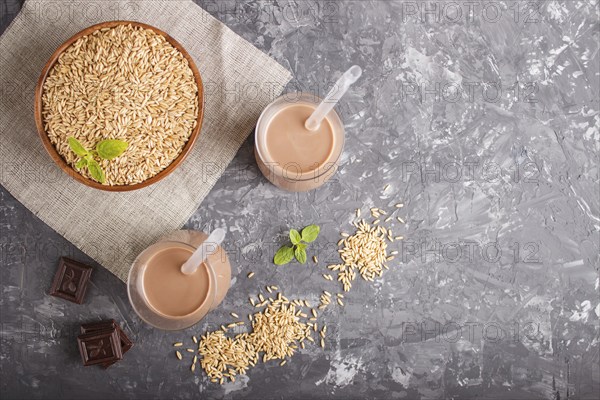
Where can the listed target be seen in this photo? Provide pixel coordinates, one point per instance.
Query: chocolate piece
(71, 279)
(100, 347)
(106, 325)
(110, 324)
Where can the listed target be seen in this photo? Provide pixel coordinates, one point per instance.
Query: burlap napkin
(113, 228)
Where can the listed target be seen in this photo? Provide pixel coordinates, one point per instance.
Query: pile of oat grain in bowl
(127, 83)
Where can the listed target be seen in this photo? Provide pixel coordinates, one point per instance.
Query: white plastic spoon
(335, 94)
(208, 247)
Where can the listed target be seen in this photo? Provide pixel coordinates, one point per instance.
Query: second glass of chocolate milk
(165, 297)
(287, 153)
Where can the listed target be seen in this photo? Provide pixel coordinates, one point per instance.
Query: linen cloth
(113, 228)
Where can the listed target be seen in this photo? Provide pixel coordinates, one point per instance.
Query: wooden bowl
(58, 158)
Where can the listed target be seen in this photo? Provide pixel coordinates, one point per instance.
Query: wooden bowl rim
(59, 159)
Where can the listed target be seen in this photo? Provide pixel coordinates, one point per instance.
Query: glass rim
(273, 165)
(163, 320)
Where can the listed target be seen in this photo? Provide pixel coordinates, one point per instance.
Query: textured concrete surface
(483, 119)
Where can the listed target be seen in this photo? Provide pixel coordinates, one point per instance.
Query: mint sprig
(286, 253)
(106, 149)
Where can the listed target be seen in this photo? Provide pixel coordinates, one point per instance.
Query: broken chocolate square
(100, 347)
(71, 279)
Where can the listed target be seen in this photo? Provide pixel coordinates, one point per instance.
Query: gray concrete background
(495, 294)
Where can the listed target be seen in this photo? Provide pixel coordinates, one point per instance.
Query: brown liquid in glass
(292, 146)
(169, 291)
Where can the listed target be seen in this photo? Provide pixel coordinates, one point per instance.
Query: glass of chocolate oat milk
(289, 155)
(299, 137)
(166, 298)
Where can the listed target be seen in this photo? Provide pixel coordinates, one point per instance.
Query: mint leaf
(111, 148)
(300, 254)
(77, 147)
(96, 171)
(284, 255)
(81, 163)
(295, 236)
(310, 233)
